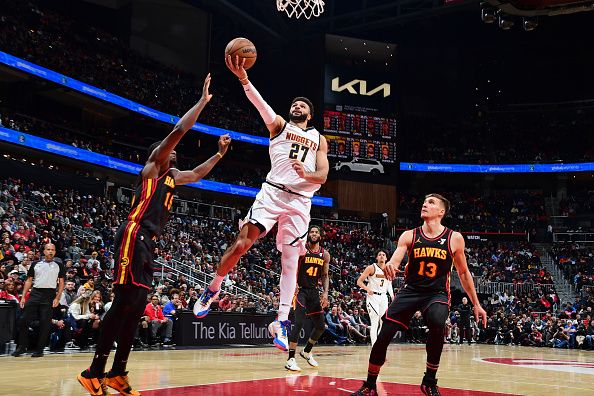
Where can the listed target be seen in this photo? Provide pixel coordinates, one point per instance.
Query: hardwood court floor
(249, 371)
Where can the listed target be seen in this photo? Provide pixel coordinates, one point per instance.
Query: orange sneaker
(120, 383)
(94, 385)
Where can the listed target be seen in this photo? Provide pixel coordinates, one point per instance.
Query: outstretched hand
(224, 142)
(236, 66)
(206, 96)
(390, 271)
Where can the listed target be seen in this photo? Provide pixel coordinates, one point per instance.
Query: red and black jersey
(429, 262)
(310, 268)
(152, 202)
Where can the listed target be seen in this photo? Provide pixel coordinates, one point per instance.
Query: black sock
(430, 373)
(308, 347)
(291, 353)
(372, 374)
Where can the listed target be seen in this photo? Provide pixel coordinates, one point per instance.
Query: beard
(298, 118)
(311, 241)
(173, 163)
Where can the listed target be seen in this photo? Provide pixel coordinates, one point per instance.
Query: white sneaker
(202, 306)
(280, 332)
(310, 359)
(291, 365)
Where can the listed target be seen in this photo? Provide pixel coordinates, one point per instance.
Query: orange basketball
(243, 48)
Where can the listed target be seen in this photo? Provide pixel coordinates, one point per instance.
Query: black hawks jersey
(152, 202)
(310, 268)
(429, 262)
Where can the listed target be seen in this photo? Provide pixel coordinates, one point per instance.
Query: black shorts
(308, 300)
(134, 256)
(407, 302)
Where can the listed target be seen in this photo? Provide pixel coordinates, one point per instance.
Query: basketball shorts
(289, 210)
(309, 300)
(377, 304)
(134, 256)
(407, 302)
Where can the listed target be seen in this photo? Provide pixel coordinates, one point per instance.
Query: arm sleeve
(266, 112)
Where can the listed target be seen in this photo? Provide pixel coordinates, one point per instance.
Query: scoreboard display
(352, 135)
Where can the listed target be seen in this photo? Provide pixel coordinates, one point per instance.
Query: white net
(299, 8)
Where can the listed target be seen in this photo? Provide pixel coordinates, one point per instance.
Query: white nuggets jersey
(378, 282)
(294, 143)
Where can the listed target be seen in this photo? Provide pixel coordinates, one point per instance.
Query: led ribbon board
(502, 168)
(42, 72)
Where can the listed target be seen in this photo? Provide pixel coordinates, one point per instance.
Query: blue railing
(50, 146)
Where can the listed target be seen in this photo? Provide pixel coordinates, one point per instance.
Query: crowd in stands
(83, 226)
(516, 262)
(69, 46)
(105, 141)
(576, 261)
(499, 211)
(538, 136)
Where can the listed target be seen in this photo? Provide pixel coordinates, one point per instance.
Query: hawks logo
(125, 262)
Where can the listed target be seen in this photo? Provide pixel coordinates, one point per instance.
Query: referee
(43, 276)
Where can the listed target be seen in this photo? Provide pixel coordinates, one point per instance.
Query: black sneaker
(429, 387)
(365, 390)
(37, 354)
(18, 352)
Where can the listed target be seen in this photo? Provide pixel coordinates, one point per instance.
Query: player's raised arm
(404, 242)
(192, 176)
(159, 158)
(274, 122)
(457, 245)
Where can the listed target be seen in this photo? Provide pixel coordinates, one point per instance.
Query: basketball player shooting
(135, 245)
(299, 166)
(313, 266)
(432, 249)
(376, 288)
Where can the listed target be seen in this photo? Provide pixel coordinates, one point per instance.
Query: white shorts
(290, 211)
(377, 304)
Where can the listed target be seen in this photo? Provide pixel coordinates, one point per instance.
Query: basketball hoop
(298, 8)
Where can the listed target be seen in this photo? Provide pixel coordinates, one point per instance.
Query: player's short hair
(381, 250)
(444, 201)
(307, 101)
(153, 146)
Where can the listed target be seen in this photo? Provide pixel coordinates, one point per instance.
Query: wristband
(219, 154)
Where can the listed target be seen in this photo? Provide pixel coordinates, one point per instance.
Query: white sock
(216, 282)
(288, 280)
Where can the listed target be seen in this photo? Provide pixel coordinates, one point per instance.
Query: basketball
(243, 48)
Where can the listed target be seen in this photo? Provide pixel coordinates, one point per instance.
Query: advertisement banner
(219, 328)
(222, 328)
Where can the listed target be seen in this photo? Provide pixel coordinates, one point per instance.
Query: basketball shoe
(291, 365)
(202, 306)
(280, 332)
(429, 387)
(120, 383)
(94, 385)
(310, 359)
(365, 390)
